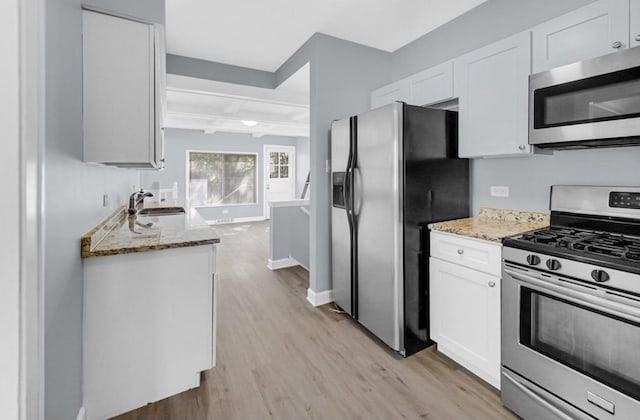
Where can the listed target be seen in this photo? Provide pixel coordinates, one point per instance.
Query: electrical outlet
(105, 200)
(499, 191)
(225, 211)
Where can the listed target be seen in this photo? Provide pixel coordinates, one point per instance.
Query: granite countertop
(493, 224)
(122, 234)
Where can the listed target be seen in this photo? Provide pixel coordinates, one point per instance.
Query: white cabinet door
(432, 85)
(123, 90)
(397, 91)
(465, 317)
(635, 23)
(493, 83)
(591, 31)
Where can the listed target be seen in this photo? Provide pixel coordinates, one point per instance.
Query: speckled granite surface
(494, 224)
(121, 234)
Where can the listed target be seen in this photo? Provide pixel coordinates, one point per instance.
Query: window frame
(224, 152)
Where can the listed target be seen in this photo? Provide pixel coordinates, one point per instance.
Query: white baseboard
(236, 220)
(319, 298)
(300, 264)
(281, 263)
(82, 414)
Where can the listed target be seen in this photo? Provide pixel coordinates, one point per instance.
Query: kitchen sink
(161, 211)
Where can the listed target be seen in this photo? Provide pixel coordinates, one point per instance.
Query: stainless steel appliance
(395, 171)
(593, 103)
(571, 309)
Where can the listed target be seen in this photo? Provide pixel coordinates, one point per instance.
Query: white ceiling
(211, 106)
(262, 34)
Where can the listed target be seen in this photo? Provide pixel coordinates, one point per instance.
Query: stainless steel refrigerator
(394, 171)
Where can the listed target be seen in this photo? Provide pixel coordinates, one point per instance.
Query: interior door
(280, 174)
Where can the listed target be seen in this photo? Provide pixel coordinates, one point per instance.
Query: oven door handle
(619, 309)
(561, 415)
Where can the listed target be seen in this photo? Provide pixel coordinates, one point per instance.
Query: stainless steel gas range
(571, 309)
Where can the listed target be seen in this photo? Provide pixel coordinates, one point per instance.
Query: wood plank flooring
(280, 358)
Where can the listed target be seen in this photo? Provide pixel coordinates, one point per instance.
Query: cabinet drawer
(477, 254)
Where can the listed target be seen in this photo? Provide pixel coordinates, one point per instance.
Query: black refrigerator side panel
(436, 188)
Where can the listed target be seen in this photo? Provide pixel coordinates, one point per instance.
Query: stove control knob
(600, 276)
(533, 259)
(553, 265)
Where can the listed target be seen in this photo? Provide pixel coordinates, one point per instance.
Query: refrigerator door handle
(350, 177)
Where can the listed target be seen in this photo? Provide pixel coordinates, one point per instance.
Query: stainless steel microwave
(593, 103)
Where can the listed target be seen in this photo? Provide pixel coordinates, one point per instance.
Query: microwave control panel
(624, 200)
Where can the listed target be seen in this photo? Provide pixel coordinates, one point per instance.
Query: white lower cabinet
(149, 327)
(465, 317)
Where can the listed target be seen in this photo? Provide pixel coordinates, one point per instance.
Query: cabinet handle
(460, 251)
(492, 284)
(637, 38)
(616, 45)
(522, 147)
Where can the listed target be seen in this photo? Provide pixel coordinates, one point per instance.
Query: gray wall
(73, 204)
(193, 67)
(289, 234)
(178, 141)
(302, 163)
(487, 23)
(529, 179)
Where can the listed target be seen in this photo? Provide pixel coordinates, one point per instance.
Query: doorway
(279, 175)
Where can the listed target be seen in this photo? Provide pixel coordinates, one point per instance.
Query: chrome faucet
(137, 200)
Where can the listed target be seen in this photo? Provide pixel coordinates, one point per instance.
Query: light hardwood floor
(278, 357)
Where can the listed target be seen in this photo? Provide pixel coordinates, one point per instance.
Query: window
(218, 179)
(278, 165)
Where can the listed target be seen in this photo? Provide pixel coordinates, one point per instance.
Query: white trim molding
(82, 414)
(281, 263)
(319, 298)
(289, 203)
(236, 220)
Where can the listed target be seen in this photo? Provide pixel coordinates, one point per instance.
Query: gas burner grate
(585, 241)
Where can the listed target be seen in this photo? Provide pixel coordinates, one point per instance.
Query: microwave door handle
(537, 398)
(629, 312)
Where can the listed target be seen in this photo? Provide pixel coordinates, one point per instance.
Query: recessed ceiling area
(212, 107)
(263, 34)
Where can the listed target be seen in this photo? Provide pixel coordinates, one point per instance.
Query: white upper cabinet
(432, 85)
(123, 91)
(635, 23)
(398, 91)
(428, 87)
(493, 85)
(591, 31)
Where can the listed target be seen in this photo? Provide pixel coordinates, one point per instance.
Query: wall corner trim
(319, 298)
(82, 414)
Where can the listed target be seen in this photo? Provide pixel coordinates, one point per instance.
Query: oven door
(572, 340)
(596, 102)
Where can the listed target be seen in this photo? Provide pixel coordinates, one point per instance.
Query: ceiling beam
(292, 104)
(199, 113)
(234, 106)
